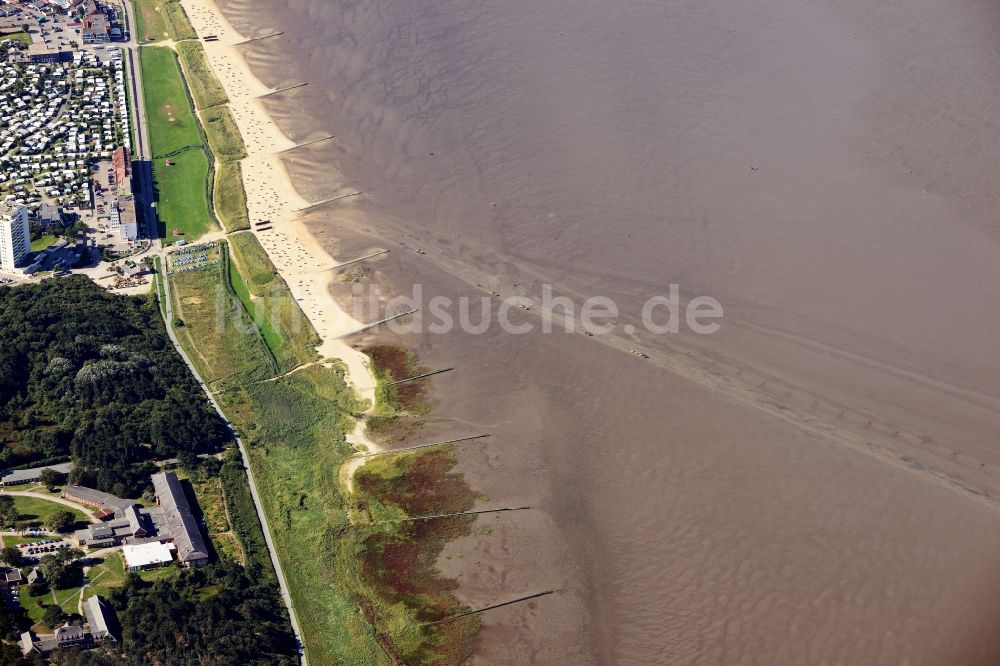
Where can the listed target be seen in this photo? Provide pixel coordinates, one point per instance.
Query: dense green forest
(92, 375)
(221, 614)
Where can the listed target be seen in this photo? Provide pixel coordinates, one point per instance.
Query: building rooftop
(10, 576)
(132, 517)
(9, 208)
(126, 208)
(102, 619)
(148, 554)
(68, 634)
(96, 498)
(128, 524)
(180, 520)
(24, 475)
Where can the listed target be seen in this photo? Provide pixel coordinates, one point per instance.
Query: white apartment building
(15, 235)
(123, 218)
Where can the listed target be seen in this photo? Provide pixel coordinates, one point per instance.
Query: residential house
(10, 578)
(36, 576)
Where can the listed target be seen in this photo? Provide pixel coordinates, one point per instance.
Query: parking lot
(36, 549)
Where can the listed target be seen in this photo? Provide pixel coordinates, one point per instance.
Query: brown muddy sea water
(815, 483)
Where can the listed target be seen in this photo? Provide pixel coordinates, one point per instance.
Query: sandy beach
(302, 262)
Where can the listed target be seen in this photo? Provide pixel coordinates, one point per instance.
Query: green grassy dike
(224, 141)
(162, 19)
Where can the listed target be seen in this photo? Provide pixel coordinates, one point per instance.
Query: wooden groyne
(494, 606)
(422, 446)
(359, 259)
(376, 323)
(326, 201)
(423, 376)
(257, 39)
(285, 89)
(438, 516)
(303, 145)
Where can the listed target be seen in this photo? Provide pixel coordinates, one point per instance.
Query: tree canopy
(222, 614)
(92, 375)
(8, 512)
(11, 555)
(60, 521)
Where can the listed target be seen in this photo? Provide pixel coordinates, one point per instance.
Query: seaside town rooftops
(55, 118)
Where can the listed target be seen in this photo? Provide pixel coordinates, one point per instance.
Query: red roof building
(120, 163)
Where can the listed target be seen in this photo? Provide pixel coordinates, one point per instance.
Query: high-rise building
(123, 218)
(15, 235)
